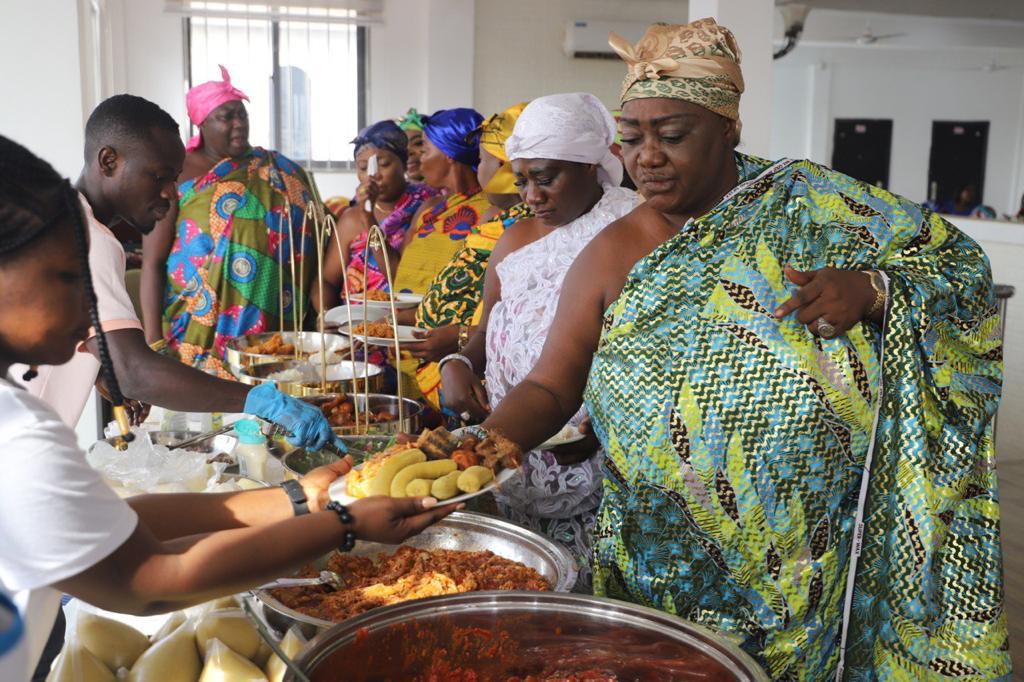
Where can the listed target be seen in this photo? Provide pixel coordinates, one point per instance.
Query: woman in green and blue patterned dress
(793, 375)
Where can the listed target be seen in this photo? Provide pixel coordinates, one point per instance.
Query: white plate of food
(452, 467)
(567, 434)
(382, 300)
(379, 333)
(357, 313)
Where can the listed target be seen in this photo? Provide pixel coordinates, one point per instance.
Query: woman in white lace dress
(560, 154)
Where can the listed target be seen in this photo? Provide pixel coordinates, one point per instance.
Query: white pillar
(819, 114)
(752, 22)
(451, 30)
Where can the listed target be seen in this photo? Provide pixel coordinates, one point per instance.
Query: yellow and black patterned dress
(737, 445)
(455, 295)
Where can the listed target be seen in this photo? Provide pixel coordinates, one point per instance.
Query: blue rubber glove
(307, 424)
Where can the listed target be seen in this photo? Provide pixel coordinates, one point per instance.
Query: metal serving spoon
(329, 578)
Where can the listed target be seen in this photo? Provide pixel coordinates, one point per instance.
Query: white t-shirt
(66, 388)
(57, 518)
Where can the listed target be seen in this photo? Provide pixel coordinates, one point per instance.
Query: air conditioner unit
(589, 39)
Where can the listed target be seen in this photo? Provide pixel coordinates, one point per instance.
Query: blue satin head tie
(384, 135)
(449, 130)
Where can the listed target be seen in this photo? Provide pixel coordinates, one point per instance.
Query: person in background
(560, 152)
(412, 125)
(213, 267)
(393, 201)
(793, 375)
(337, 205)
(449, 164)
(64, 530)
(966, 203)
(132, 155)
(627, 181)
(1019, 216)
(451, 308)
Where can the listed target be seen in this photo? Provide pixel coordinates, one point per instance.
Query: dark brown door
(957, 160)
(861, 148)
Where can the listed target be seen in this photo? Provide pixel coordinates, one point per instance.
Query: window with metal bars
(305, 75)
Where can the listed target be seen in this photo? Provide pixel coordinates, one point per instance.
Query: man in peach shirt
(133, 155)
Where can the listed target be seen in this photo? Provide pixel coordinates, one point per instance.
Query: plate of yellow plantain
(449, 475)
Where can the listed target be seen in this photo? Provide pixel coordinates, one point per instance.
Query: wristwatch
(297, 496)
(881, 288)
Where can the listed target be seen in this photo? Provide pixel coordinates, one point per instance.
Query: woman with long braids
(63, 529)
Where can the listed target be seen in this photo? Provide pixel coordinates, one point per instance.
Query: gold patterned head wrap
(697, 62)
(494, 131)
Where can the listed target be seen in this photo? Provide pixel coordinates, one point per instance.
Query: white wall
(912, 98)
(912, 84)
(39, 70)
(519, 48)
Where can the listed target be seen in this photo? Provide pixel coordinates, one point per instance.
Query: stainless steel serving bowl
(258, 374)
(504, 634)
(307, 343)
(462, 531)
(412, 413)
(298, 462)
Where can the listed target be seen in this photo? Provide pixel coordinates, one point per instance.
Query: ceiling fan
(869, 37)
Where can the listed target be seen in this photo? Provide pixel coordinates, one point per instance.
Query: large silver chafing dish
(306, 343)
(461, 531)
(499, 635)
(339, 378)
(412, 412)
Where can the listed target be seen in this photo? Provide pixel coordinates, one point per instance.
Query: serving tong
(269, 429)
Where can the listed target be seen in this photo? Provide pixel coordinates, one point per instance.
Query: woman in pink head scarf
(212, 270)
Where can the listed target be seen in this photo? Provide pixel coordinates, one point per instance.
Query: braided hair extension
(34, 198)
(106, 365)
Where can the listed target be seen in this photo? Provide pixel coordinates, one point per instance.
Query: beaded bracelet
(345, 517)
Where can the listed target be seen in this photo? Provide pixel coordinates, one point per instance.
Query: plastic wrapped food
(225, 665)
(146, 468)
(291, 645)
(173, 658)
(230, 626)
(172, 623)
(115, 644)
(76, 664)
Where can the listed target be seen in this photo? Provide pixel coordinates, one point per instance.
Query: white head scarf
(569, 127)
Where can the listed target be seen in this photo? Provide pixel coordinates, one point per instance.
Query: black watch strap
(297, 496)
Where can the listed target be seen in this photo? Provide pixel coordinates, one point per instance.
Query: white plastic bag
(148, 468)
